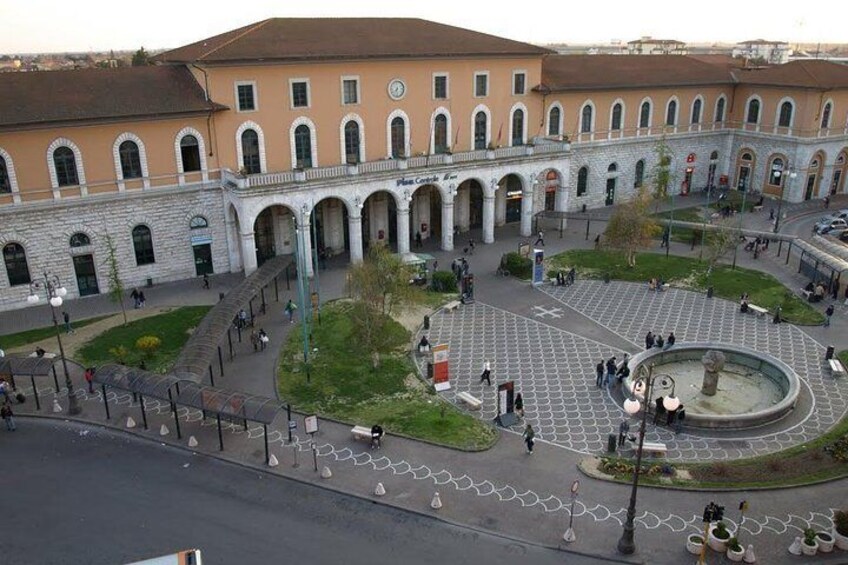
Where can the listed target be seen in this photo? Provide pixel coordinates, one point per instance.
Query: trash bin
(709, 292)
(606, 278)
(829, 353)
(611, 443)
(429, 370)
(220, 296)
(426, 322)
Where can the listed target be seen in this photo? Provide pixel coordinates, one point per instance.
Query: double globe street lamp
(55, 295)
(642, 386)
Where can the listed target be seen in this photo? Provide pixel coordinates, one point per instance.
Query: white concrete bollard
(795, 548)
(56, 406)
(380, 490)
(437, 502)
(163, 431)
(569, 536)
(749, 554)
(272, 461)
(326, 473)
(130, 422)
(192, 441)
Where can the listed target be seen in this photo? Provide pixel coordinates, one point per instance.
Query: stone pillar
(233, 245)
(527, 212)
(248, 252)
(488, 219)
(305, 246)
(403, 228)
(713, 362)
(447, 224)
(354, 226)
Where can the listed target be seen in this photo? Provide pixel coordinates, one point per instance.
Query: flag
(500, 132)
(456, 138)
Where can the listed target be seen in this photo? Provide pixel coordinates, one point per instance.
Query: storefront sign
(513, 194)
(440, 367)
(201, 239)
(429, 179)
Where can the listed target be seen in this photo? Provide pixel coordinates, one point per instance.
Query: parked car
(828, 226)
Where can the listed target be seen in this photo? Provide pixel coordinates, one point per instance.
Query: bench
(471, 401)
(758, 310)
(655, 448)
(361, 432)
(836, 367)
(451, 306)
(47, 355)
(757, 208)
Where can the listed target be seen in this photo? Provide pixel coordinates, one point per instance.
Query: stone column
(447, 224)
(248, 252)
(488, 219)
(403, 228)
(233, 245)
(354, 226)
(527, 212)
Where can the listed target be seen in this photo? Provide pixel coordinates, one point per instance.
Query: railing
(270, 178)
(326, 172)
(378, 166)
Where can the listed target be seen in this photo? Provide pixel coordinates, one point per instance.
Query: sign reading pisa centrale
(426, 179)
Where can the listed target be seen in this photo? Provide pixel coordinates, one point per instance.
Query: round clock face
(397, 89)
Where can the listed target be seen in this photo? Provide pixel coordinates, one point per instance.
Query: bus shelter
(29, 366)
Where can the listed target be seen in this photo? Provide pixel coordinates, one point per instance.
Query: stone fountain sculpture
(713, 362)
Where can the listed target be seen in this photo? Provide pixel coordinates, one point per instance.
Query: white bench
(451, 306)
(47, 355)
(836, 367)
(471, 401)
(758, 310)
(361, 432)
(655, 448)
(757, 208)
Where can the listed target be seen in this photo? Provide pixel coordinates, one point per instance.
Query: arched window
(518, 127)
(130, 160)
(612, 168)
(190, 154)
(5, 180)
(825, 120)
(480, 130)
(754, 111)
(197, 223)
(80, 239)
(440, 134)
(640, 173)
(398, 128)
(554, 117)
(143, 245)
(696, 111)
(615, 123)
(775, 171)
(586, 119)
(785, 118)
(250, 152)
(582, 180)
(719, 114)
(645, 115)
(303, 147)
(351, 133)
(16, 264)
(66, 166)
(671, 113)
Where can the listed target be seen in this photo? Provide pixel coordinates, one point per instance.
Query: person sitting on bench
(376, 436)
(743, 306)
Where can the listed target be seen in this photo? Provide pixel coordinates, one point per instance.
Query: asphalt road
(75, 494)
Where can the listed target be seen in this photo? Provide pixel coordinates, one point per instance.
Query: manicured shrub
(148, 344)
(518, 266)
(444, 281)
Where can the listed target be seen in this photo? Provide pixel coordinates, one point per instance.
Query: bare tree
(116, 285)
(720, 242)
(631, 228)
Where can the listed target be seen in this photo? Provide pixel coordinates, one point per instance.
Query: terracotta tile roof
(314, 39)
(723, 61)
(588, 72)
(48, 97)
(815, 73)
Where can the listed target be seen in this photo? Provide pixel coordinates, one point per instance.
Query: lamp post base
(626, 544)
(73, 404)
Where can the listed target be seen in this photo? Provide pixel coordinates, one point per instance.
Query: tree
(721, 241)
(140, 58)
(631, 228)
(661, 175)
(116, 285)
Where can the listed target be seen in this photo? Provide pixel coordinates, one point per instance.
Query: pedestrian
(435, 266)
(827, 314)
(205, 281)
(376, 436)
(827, 201)
(529, 438)
(623, 429)
(263, 339)
(541, 239)
(678, 420)
(4, 391)
(141, 299)
(664, 242)
(419, 242)
(519, 405)
(471, 245)
(659, 409)
(611, 368)
(242, 318)
(599, 370)
(623, 370)
(289, 310)
(777, 312)
(487, 373)
(89, 378)
(834, 292)
(649, 340)
(771, 214)
(597, 241)
(7, 414)
(669, 342)
(659, 342)
(134, 296)
(67, 318)
(254, 340)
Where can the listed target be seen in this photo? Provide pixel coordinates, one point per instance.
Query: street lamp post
(642, 386)
(792, 175)
(55, 294)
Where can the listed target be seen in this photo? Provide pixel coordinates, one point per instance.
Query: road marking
(542, 312)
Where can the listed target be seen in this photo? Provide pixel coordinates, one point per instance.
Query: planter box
(841, 541)
(736, 556)
(826, 542)
(694, 546)
(807, 549)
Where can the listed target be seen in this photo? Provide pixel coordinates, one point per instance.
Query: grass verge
(172, 328)
(764, 290)
(19, 339)
(343, 384)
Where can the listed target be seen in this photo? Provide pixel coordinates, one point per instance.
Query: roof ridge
(251, 29)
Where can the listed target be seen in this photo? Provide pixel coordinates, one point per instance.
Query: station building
(342, 132)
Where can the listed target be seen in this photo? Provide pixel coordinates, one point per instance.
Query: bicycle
(502, 272)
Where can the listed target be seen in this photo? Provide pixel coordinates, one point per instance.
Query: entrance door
(86, 275)
(742, 183)
(834, 185)
(811, 184)
(203, 259)
(610, 192)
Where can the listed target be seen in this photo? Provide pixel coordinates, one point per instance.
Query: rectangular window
(440, 86)
(350, 90)
(246, 96)
(481, 84)
(299, 93)
(519, 83)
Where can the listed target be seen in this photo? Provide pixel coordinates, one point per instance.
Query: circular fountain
(722, 385)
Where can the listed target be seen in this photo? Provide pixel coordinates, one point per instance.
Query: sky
(98, 25)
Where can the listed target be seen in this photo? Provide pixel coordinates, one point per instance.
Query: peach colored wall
(808, 108)
(275, 115)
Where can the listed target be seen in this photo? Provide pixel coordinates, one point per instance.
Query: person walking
(487, 373)
(611, 368)
(376, 436)
(597, 241)
(519, 405)
(289, 309)
(471, 245)
(89, 378)
(9, 416)
(623, 430)
(67, 318)
(827, 315)
(134, 296)
(141, 299)
(599, 370)
(541, 239)
(649, 340)
(419, 242)
(263, 339)
(529, 438)
(205, 280)
(254, 340)
(4, 391)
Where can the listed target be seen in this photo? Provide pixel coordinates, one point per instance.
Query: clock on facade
(397, 89)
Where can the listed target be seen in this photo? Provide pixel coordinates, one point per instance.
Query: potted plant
(735, 551)
(694, 544)
(826, 541)
(809, 545)
(840, 529)
(718, 538)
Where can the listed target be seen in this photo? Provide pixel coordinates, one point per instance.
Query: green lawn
(173, 328)
(764, 289)
(31, 336)
(343, 384)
